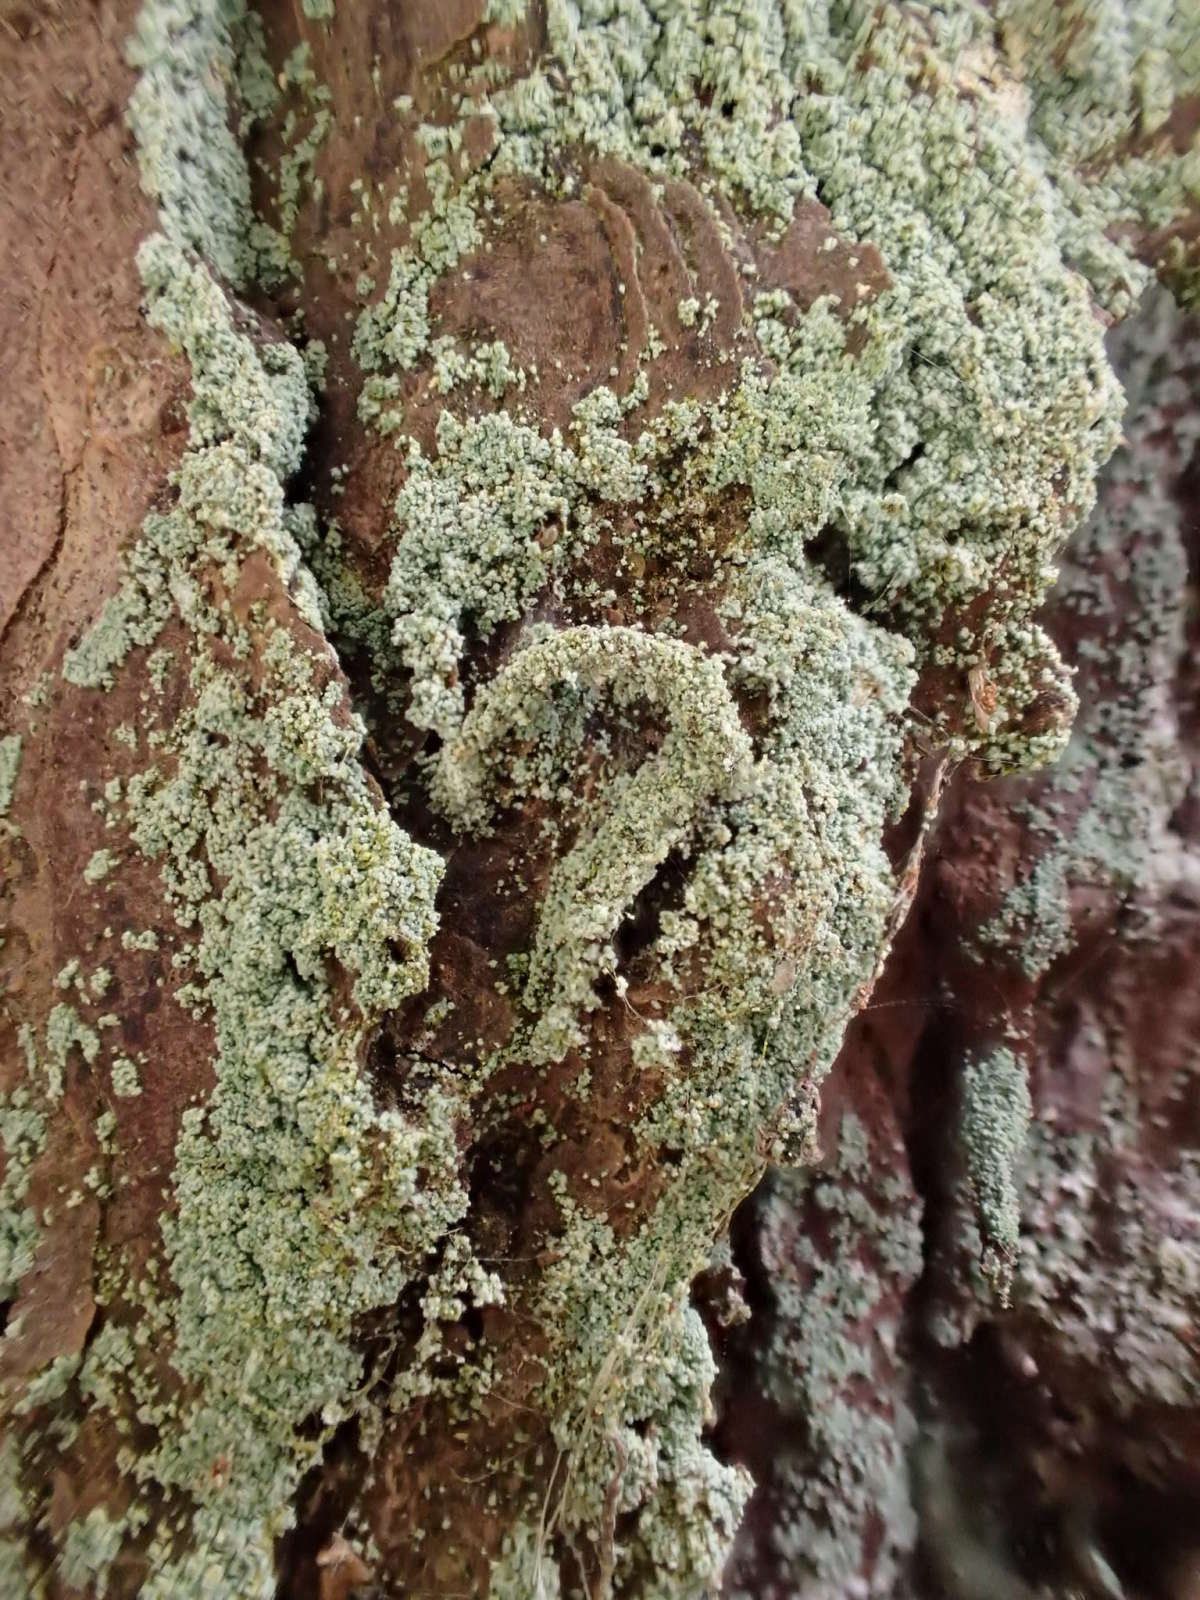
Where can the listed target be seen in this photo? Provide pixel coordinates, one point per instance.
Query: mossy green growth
(737, 1037)
(467, 522)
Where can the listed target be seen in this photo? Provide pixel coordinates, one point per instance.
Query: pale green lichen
(274, 261)
(23, 1136)
(468, 522)
(248, 417)
(126, 1082)
(629, 1391)
(189, 160)
(986, 361)
(100, 864)
(705, 756)
(16, 1576)
(1102, 78)
(50, 1384)
(69, 975)
(88, 1550)
(297, 1203)
(458, 1283)
(729, 1074)
(508, 13)
(65, 1029)
(10, 765)
(189, 54)
(997, 1114)
(947, 446)
(1100, 1261)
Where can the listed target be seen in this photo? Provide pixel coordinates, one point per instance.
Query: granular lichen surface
(678, 639)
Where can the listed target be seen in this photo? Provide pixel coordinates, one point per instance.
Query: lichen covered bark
(643, 431)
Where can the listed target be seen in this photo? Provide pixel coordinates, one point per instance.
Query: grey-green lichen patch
(303, 1202)
(1100, 1258)
(997, 1113)
(629, 1394)
(739, 1027)
(735, 1036)
(89, 1548)
(1102, 821)
(15, 1568)
(253, 397)
(298, 1204)
(296, 176)
(100, 863)
(948, 449)
(989, 405)
(189, 159)
(50, 1384)
(1102, 81)
(949, 445)
(1111, 1265)
(508, 13)
(126, 1081)
(65, 1029)
(10, 765)
(23, 1136)
(192, 57)
(705, 756)
(457, 1284)
(468, 525)
(842, 1248)
(248, 415)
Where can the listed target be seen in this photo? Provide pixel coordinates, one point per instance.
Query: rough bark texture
(526, 535)
(1048, 1445)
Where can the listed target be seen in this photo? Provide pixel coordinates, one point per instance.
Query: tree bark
(576, 1020)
